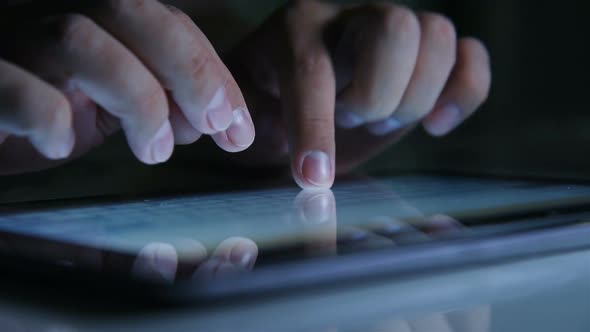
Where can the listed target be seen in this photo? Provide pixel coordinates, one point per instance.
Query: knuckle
(174, 9)
(318, 126)
(75, 31)
(396, 20)
(199, 65)
(310, 62)
(182, 16)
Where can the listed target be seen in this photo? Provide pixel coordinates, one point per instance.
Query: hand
(373, 70)
(70, 80)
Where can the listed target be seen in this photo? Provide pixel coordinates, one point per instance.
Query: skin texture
(326, 86)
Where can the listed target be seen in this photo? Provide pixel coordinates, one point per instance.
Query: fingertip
(314, 170)
(218, 112)
(67, 146)
(442, 120)
(184, 132)
(241, 132)
(160, 147)
(53, 135)
(240, 135)
(56, 149)
(163, 144)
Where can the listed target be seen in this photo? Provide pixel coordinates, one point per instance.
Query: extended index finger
(308, 93)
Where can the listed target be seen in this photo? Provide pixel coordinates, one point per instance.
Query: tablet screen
(203, 234)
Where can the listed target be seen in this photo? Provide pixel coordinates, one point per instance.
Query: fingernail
(348, 120)
(163, 143)
(241, 131)
(219, 112)
(317, 209)
(443, 120)
(316, 168)
(384, 127)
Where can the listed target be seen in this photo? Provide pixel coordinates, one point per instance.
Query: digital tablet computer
(280, 239)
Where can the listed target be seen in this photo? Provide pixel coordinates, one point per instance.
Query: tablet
(280, 239)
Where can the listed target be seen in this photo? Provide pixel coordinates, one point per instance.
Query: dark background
(535, 122)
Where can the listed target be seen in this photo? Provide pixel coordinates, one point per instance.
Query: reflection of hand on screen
(164, 262)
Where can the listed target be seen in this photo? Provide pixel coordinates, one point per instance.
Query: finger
(308, 100)
(181, 58)
(308, 93)
(384, 59)
(467, 89)
(184, 132)
(156, 262)
(91, 60)
(32, 108)
(433, 67)
(240, 134)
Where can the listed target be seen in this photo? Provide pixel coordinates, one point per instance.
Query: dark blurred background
(535, 122)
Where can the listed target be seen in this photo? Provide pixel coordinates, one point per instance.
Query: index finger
(308, 93)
